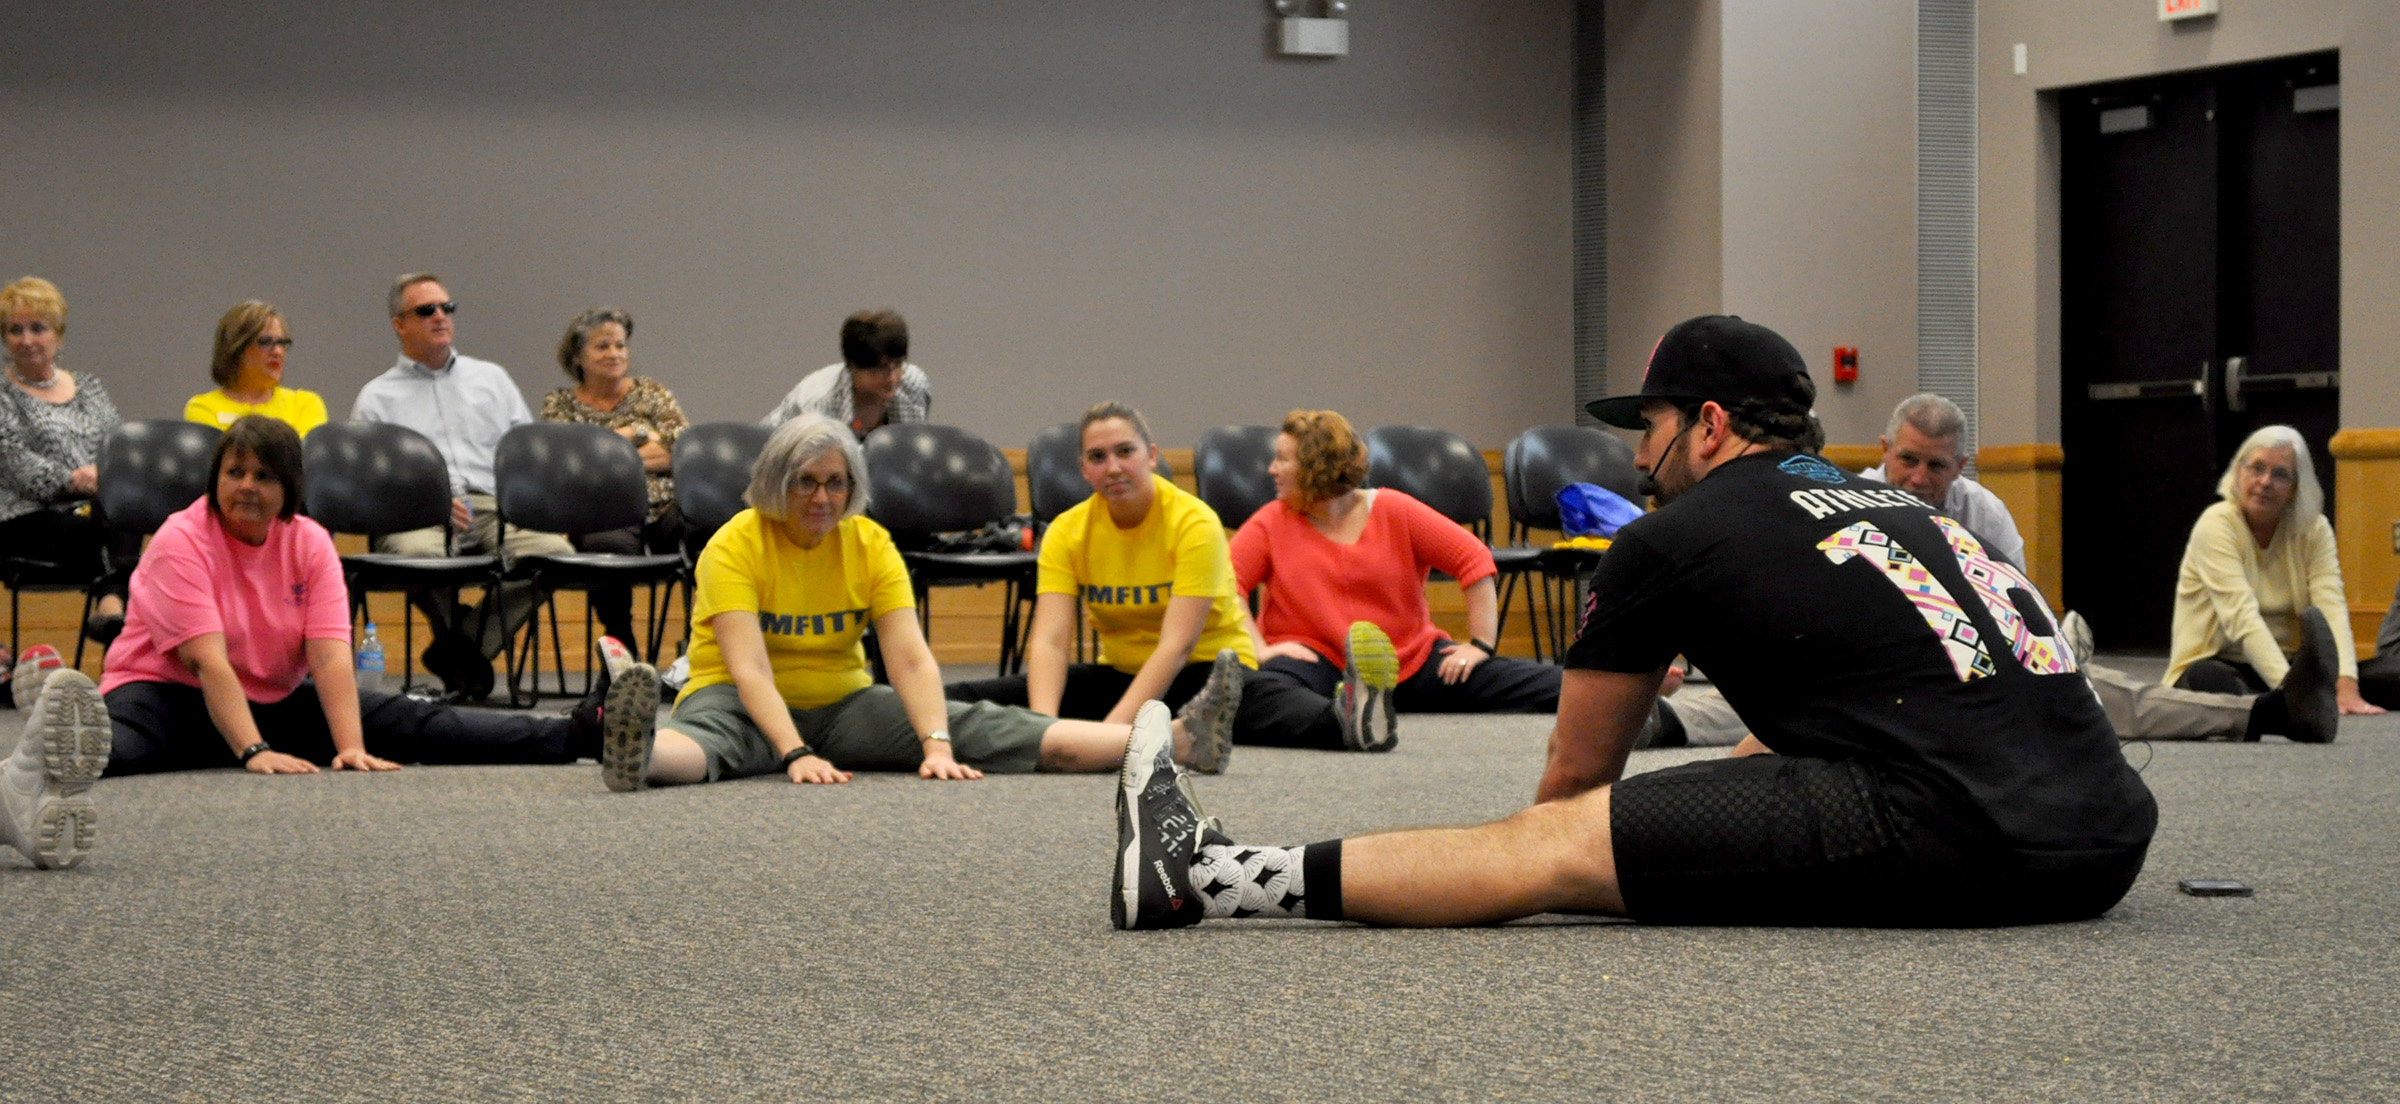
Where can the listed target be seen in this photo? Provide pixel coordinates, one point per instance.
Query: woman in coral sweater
(1343, 612)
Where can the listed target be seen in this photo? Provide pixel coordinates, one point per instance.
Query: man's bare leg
(1553, 857)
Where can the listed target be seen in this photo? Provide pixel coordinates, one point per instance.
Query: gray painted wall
(1070, 200)
(1762, 161)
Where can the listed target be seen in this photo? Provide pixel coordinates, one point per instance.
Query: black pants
(1497, 685)
(613, 606)
(73, 542)
(162, 726)
(1274, 712)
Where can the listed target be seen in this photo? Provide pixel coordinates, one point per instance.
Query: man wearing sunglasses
(463, 405)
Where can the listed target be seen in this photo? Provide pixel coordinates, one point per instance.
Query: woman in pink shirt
(1343, 571)
(239, 625)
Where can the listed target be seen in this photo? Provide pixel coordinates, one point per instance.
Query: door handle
(2153, 389)
(2233, 382)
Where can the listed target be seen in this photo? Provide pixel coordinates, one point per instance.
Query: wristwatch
(793, 756)
(941, 734)
(254, 751)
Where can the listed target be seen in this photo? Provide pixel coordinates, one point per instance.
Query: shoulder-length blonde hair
(2308, 498)
(1331, 456)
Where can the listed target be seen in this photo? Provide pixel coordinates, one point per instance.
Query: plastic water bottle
(370, 660)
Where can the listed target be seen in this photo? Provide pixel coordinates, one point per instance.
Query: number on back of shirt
(1999, 587)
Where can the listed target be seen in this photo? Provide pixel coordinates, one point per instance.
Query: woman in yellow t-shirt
(779, 680)
(252, 342)
(1149, 561)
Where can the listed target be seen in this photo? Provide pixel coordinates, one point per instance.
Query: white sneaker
(25, 682)
(45, 788)
(2078, 636)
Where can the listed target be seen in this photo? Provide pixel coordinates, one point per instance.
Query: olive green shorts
(866, 731)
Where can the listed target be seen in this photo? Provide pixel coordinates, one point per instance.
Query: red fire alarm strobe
(1845, 364)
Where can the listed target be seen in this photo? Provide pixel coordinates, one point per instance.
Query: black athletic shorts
(1773, 839)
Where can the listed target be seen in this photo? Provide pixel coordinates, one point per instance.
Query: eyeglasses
(2254, 469)
(265, 342)
(807, 487)
(426, 310)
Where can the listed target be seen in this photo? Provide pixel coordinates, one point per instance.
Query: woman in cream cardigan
(2254, 562)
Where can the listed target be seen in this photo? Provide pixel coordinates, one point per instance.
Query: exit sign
(2172, 10)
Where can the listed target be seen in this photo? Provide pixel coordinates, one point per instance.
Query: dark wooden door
(2199, 285)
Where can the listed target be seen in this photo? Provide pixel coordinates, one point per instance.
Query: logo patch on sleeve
(1813, 467)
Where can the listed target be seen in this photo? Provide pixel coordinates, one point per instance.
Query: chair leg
(1508, 594)
(89, 600)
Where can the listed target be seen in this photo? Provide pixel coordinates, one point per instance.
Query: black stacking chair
(573, 479)
(712, 470)
(927, 479)
(1054, 472)
(1436, 467)
(24, 575)
(1229, 469)
(149, 469)
(1536, 465)
(375, 479)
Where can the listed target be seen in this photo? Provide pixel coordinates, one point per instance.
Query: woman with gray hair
(779, 679)
(597, 354)
(2256, 562)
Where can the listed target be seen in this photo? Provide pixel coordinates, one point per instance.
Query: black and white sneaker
(1158, 831)
(628, 726)
(1370, 670)
(1208, 717)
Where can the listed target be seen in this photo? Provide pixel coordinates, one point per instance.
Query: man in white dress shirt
(1920, 456)
(463, 405)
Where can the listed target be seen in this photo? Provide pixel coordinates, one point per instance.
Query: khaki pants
(483, 536)
(2152, 711)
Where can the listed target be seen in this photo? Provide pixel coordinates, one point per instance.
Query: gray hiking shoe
(1208, 717)
(628, 726)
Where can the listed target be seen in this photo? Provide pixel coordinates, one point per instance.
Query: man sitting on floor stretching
(1924, 749)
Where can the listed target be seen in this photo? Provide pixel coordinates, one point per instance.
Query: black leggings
(164, 726)
(1497, 685)
(1274, 712)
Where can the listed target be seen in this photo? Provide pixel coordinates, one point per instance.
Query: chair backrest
(1053, 474)
(1436, 467)
(149, 469)
(925, 478)
(375, 478)
(1546, 458)
(570, 478)
(712, 469)
(1229, 469)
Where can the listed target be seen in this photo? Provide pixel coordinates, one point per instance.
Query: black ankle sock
(1321, 868)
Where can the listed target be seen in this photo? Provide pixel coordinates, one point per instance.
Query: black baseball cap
(1713, 358)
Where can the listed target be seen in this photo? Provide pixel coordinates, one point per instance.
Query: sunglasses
(265, 342)
(426, 311)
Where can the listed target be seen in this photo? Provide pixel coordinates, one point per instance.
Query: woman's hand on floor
(276, 762)
(357, 759)
(811, 769)
(944, 767)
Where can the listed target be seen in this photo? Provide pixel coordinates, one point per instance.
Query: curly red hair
(1332, 456)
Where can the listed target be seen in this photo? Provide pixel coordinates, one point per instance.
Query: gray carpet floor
(518, 933)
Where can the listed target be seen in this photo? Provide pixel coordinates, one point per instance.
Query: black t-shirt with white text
(1846, 619)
